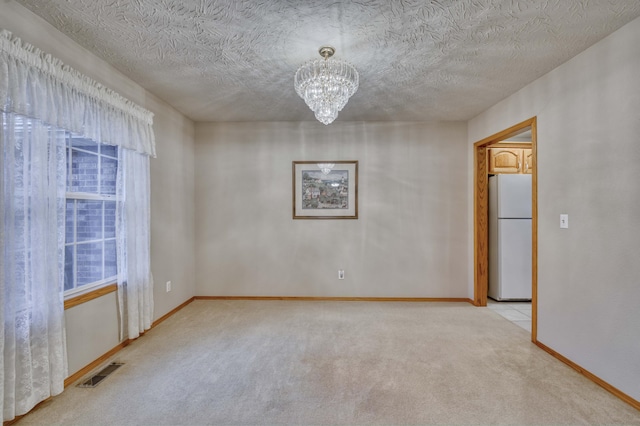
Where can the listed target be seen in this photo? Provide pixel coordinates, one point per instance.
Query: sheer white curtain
(35, 84)
(135, 283)
(53, 97)
(32, 242)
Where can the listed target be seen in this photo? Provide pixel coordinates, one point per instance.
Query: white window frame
(70, 195)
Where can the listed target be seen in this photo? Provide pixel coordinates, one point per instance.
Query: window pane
(84, 172)
(89, 216)
(90, 224)
(68, 268)
(110, 265)
(109, 167)
(109, 219)
(69, 222)
(110, 150)
(68, 171)
(85, 144)
(89, 262)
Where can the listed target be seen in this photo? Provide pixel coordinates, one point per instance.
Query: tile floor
(518, 313)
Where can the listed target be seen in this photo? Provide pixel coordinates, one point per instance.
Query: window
(90, 228)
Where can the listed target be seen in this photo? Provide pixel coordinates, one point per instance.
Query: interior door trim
(481, 217)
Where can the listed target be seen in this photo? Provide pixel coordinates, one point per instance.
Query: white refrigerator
(510, 237)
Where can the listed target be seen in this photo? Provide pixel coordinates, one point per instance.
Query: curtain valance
(44, 88)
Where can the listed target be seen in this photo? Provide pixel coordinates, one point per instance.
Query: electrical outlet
(341, 274)
(168, 286)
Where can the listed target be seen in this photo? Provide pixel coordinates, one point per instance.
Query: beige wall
(87, 342)
(172, 203)
(172, 208)
(589, 167)
(411, 236)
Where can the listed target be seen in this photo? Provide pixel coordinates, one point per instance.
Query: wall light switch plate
(564, 221)
(168, 286)
(341, 274)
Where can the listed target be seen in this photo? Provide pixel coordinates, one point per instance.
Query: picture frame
(325, 189)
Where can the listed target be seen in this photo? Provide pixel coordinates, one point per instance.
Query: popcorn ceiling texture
(234, 60)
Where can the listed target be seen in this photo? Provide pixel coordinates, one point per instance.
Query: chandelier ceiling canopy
(326, 84)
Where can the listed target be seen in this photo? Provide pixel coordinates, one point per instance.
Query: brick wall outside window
(90, 244)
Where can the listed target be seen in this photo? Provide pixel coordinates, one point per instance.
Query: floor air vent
(94, 380)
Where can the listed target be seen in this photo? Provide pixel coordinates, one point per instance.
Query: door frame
(481, 217)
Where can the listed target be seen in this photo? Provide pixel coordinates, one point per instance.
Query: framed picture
(325, 189)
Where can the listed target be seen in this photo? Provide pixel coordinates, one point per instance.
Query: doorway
(481, 215)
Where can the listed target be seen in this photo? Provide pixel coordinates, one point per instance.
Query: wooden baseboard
(340, 299)
(98, 362)
(17, 418)
(95, 364)
(170, 313)
(597, 380)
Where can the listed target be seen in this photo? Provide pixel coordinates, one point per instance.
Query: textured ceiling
(234, 60)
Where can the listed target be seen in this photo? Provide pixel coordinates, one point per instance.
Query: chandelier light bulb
(326, 85)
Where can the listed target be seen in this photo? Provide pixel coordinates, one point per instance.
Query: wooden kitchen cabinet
(505, 160)
(527, 157)
(510, 160)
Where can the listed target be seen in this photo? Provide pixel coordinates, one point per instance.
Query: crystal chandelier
(326, 85)
(325, 168)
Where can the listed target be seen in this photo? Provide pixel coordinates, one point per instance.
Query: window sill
(86, 297)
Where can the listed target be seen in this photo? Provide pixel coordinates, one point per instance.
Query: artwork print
(325, 189)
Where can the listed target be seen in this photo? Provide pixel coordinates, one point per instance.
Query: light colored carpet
(290, 362)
